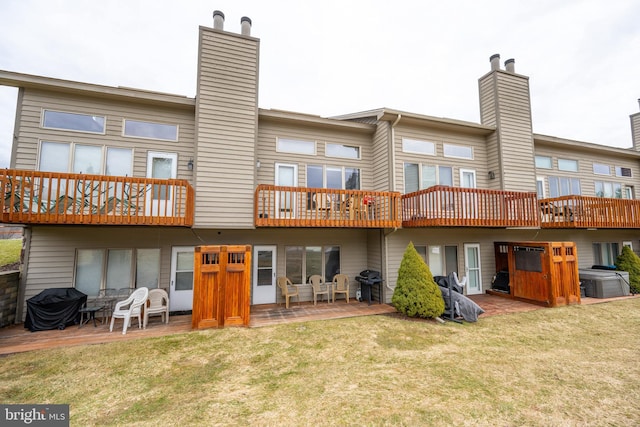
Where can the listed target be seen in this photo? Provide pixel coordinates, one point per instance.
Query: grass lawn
(567, 366)
(10, 251)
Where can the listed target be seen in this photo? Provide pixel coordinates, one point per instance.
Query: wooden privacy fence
(545, 273)
(221, 286)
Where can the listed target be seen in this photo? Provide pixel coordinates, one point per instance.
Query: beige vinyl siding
(227, 118)
(269, 132)
(586, 159)
(584, 239)
(478, 163)
(30, 133)
(487, 90)
(382, 160)
(516, 138)
(635, 130)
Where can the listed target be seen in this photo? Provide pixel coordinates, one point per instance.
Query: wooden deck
(34, 197)
(444, 206)
(589, 212)
(277, 206)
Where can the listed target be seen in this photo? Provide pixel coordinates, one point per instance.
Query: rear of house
(116, 187)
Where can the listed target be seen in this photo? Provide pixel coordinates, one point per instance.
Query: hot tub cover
(54, 308)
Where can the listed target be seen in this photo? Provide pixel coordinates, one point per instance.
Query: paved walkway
(15, 339)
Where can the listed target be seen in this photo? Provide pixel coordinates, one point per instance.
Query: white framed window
(543, 162)
(337, 177)
(628, 243)
(296, 146)
(98, 269)
(419, 176)
(342, 150)
(441, 262)
(418, 147)
(612, 190)
(150, 130)
(87, 159)
(601, 169)
(540, 187)
(605, 253)
(76, 122)
(620, 171)
(458, 151)
(568, 165)
(563, 186)
(304, 261)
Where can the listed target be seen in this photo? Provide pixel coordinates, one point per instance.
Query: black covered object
(368, 279)
(54, 308)
(501, 282)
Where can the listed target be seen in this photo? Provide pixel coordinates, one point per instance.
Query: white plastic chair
(459, 282)
(158, 304)
(132, 306)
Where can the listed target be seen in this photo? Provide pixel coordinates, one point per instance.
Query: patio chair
(319, 287)
(285, 286)
(158, 304)
(132, 306)
(460, 283)
(341, 286)
(107, 299)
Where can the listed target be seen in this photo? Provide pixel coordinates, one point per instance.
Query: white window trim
(315, 146)
(324, 174)
(542, 167)
(72, 145)
(124, 135)
(104, 130)
(344, 145)
(601, 173)
(577, 169)
(433, 144)
(457, 157)
(544, 190)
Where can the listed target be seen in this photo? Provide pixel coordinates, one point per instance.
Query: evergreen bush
(416, 294)
(630, 262)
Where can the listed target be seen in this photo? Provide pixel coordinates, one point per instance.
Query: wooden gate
(221, 286)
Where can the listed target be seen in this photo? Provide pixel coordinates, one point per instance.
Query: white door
(264, 275)
(181, 291)
(159, 197)
(469, 201)
(472, 268)
(286, 176)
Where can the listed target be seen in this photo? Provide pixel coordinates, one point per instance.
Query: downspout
(393, 188)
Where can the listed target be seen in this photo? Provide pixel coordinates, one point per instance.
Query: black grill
(368, 279)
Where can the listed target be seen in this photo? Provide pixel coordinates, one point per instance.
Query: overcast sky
(335, 57)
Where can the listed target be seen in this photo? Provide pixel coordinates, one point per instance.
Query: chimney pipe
(218, 20)
(510, 65)
(495, 61)
(245, 25)
(638, 101)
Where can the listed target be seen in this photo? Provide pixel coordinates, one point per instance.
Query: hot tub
(604, 283)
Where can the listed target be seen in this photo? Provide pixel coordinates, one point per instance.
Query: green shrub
(630, 262)
(416, 294)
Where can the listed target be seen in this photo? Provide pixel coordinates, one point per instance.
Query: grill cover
(54, 308)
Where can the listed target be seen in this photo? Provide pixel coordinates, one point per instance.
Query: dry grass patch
(565, 366)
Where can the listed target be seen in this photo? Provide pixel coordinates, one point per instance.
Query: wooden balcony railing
(33, 197)
(589, 212)
(277, 206)
(443, 206)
